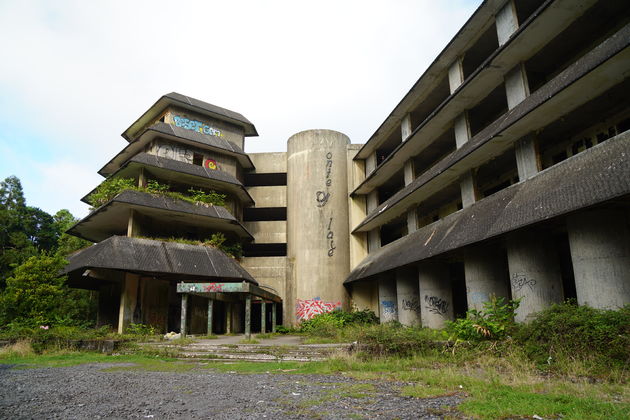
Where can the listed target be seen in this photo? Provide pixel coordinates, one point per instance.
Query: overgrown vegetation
(494, 322)
(216, 240)
(110, 188)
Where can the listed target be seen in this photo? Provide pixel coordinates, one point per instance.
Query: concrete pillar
(374, 239)
(455, 74)
(516, 85)
(132, 224)
(485, 276)
(273, 317)
(412, 220)
(184, 312)
(263, 317)
(128, 301)
(317, 220)
(462, 129)
(535, 275)
(388, 303)
(248, 316)
(600, 252)
(370, 164)
(210, 309)
(506, 22)
(372, 200)
(405, 127)
(527, 157)
(228, 317)
(436, 294)
(468, 189)
(408, 297)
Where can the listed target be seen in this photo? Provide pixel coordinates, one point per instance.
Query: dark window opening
(259, 214)
(586, 32)
(265, 250)
(265, 180)
(566, 265)
(497, 173)
(391, 187)
(488, 110)
(458, 284)
(393, 231)
(480, 51)
(525, 8)
(438, 150)
(197, 159)
(438, 94)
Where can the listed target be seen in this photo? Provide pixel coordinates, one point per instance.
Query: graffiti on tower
(308, 308)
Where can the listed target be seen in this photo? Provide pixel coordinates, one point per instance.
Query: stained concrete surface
(89, 391)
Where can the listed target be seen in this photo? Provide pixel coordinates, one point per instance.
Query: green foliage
(217, 240)
(140, 330)
(494, 322)
(114, 186)
(567, 331)
(60, 336)
(67, 244)
(37, 296)
(327, 324)
(109, 189)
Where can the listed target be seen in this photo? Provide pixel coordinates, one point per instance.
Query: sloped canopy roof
(192, 104)
(157, 258)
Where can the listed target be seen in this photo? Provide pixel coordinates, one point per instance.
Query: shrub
(211, 197)
(140, 329)
(328, 324)
(494, 322)
(109, 189)
(568, 331)
(393, 338)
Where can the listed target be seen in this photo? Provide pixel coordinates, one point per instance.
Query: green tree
(67, 244)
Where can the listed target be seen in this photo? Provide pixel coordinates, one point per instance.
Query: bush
(328, 324)
(393, 338)
(140, 329)
(494, 322)
(568, 331)
(44, 337)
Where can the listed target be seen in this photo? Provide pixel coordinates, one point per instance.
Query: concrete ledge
(272, 196)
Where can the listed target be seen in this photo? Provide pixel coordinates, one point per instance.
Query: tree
(67, 244)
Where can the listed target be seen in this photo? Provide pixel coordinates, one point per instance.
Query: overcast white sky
(76, 74)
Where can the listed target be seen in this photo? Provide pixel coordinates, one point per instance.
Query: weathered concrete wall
(356, 207)
(229, 132)
(436, 294)
(128, 302)
(268, 232)
(269, 163)
(272, 196)
(154, 303)
(365, 296)
(408, 296)
(387, 301)
(485, 276)
(317, 222)
(271, 272)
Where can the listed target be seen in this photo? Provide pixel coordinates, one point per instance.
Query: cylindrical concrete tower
(317, 223)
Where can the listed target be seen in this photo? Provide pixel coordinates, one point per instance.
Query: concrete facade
(502, 172)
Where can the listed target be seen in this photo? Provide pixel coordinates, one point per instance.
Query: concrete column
(263, 317)
(409, 172)
(485, 276)
(372, 201)
(387, 301)
(273, 317)
(405, 127)
(600, 252)
(370, 164)
(210, 308)
(142, 178)
(455, 74)
(468, 189)
(317, 219)
(408, 297)
(248, 316)
(374, 239)
(228, 317)
(128, 301)
(132, 224)
(506, 22)
(436, 294)
(534, 273)
(462, 129)
(527, 157)
(412, 220)
(516, 85)
(182, 320)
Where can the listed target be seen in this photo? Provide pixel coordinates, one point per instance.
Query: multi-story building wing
(504, 170)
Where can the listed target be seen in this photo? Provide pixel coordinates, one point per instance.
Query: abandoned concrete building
(504, 171)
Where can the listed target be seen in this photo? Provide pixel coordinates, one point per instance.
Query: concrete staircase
(284, 348)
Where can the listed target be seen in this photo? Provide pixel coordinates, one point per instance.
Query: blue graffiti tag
(389, 307)
(196, 126)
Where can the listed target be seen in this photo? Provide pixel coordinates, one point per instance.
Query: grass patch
(249, 341)
(268, 336)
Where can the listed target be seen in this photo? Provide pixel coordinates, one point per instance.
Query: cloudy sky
(76, 74)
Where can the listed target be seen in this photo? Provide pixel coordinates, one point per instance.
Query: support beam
(370, 164)
(133, 229)
(462, 129)
(408, 297)
(405, 127)
(534, 273)
(455, 75)
(263, 317)
(128, 301)
(374, 240)
(468, 189)
(210, 308)
(248, 316)
(412, 220)
(273, 317)
(436, 294)
(527, 157)
(388, 303)
(600, 252)
(506, 22)
(486, 276)
(182, 320)
(228, 317)
(516, 86)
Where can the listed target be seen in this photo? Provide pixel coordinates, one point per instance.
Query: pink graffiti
(307, 309)
(213, 287)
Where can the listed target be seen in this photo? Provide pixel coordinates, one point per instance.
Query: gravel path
(90, 391)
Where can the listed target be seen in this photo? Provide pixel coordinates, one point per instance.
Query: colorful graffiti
(213, 287)
(308, 308)
(211, 164)
(388, 307)
(196, 126)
